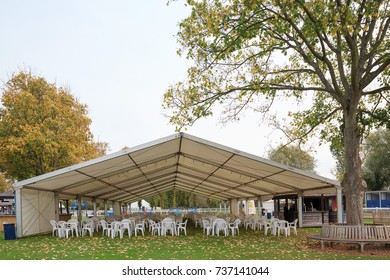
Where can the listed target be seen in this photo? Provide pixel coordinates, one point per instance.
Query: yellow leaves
(42, 124)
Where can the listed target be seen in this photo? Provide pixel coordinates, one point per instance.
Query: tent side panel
(47, 211)
(37, 211)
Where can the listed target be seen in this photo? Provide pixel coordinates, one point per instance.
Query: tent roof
(181, 162)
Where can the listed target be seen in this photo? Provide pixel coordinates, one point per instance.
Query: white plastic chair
(54, 224)
(271, 225)
(126, 226)
(63, 229)
(116, 229)
(106, 228)
(234, 226)
(182, 226)
(74, 226)
(293, 226)
(282, 225)
(87, 227)
(249, 222)
(154, 227)
(140, 226)
(220, 225)
(83, 223)
(207, 227)
(150, 223)
(168, 224)
(260, 222)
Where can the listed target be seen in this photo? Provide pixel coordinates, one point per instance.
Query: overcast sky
(119, 57)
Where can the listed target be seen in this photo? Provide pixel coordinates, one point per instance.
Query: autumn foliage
(42, 128)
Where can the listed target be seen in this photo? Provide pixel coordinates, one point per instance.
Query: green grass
(249, 245)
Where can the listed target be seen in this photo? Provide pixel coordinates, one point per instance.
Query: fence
(182, 211)
(376, 215)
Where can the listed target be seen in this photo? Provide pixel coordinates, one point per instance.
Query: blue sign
(83, 204)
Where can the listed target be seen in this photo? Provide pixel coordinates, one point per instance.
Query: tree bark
(353, 183)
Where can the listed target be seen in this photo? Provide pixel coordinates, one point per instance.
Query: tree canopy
(376, 166)
(293, 156)
(248, 53)
(42, 128)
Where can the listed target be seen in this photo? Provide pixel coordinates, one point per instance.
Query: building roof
(7, 194)
(183, 162)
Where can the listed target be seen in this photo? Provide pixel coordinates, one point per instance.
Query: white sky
(119, 57)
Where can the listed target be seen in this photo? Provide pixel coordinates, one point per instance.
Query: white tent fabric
(179, 161)
(38, 209)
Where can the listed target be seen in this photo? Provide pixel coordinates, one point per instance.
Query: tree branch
(376, 91)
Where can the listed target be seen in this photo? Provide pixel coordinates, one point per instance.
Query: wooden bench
(362, 235)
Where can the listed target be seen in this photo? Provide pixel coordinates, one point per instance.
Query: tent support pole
(79, 212)
(339, 198)
(259, 205)
(94, 207)
(233, 206)
(117, 208)
(300, 212)
(56, 206)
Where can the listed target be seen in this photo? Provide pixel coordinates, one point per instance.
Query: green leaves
(331, 48)
(376, 168)
(293, 156)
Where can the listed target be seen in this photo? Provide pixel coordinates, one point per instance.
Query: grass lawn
(249, 245)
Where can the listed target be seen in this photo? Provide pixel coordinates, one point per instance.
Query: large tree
(246, 53)
(42, 128)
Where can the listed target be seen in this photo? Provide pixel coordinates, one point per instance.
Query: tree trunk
(353, 183)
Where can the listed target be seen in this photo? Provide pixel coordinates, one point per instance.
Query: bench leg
(322, 244)
(362, 247)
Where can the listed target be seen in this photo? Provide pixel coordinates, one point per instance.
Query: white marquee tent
(179, 161)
